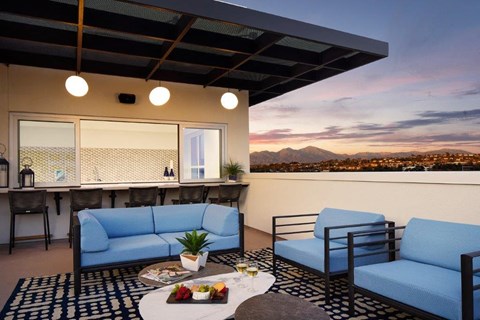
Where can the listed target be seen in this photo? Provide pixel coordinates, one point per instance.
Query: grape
(204, 288)
(175, 289)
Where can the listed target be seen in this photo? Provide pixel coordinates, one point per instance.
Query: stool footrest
(33, 237)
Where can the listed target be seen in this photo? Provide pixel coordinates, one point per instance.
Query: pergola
(202, 42)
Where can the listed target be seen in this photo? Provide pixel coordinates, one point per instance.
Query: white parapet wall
(447, 196)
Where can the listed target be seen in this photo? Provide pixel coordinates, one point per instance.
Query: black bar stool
(142, 197)
(28, 202)
(81, 199)
(189, 194)
(228, 193)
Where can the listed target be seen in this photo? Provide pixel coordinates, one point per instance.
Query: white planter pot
(193, 263)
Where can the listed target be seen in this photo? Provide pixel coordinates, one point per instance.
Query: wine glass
(241, 266)
(252, 272)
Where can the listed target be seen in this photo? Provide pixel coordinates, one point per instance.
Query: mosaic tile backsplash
(51, 164)
(126, 165)
(105, 165)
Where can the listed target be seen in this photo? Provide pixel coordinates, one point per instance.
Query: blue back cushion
(221, 220)
(123, 222)
(330, 217)
(439, 243)
(182, 217)
(93, 237)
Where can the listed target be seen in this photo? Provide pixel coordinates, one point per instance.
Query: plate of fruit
(199, 293)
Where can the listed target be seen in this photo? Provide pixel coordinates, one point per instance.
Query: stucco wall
(440, 196)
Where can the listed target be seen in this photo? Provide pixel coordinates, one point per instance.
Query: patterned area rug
(115, 294)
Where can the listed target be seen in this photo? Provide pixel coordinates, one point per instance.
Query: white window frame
(15, 119)
(223, 149)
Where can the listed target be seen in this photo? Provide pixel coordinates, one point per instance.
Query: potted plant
(233, 169)
(192, 255)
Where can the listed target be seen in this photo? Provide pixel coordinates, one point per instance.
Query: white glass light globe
(159, 96)
(76, 86)
(229, 100)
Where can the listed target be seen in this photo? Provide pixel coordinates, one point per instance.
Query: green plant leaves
(233, 168)
(193, 242)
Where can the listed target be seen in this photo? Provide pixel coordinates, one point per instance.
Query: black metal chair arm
(276, 226)
(296, 215)
(327, 229)
(472, 254)
(468, 288)
(391, 241)
(359, 225)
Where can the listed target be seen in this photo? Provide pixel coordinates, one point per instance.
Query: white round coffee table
(153, 306)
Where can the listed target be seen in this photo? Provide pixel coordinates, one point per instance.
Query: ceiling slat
(142, 40)
(183, 26)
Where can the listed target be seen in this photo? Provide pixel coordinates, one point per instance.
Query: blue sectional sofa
(121, 237)
(429, 279)
(325, 254)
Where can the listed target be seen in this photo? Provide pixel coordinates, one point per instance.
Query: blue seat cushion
(124, 222)
(221, 220)
(439, 243)
(430, 288)
(310, 252)
(330, 217)
(93, 236)
(128, 249)
(175, 218)
(219, 242)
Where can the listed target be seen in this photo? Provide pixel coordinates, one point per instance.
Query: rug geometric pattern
(115, 294)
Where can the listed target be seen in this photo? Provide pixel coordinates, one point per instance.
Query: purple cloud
(378, 133)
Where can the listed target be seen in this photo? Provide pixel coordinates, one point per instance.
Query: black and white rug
(115, 294)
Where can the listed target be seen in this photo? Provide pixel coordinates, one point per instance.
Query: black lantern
(26, 177)
(4, 167)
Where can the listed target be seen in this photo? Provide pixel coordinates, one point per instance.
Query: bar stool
(228, 193)
(189, 194)
(142, 197)
(81, 199)
(28, 202)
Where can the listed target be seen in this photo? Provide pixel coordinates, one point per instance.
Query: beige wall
(37, 90)
(43, 91)
(439, 196)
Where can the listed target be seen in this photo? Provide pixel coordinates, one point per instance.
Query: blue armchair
(325, 254)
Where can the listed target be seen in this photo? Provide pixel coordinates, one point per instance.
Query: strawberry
(186, 296)
(181, 293)
(224, 290)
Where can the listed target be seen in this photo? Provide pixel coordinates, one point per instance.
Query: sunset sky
(425, 95)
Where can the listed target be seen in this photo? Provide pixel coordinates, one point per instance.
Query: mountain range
(313, 154)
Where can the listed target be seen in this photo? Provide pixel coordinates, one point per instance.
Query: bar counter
(113, 187)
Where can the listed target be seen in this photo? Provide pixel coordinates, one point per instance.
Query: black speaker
(128, 98)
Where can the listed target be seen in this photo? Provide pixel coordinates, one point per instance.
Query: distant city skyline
(425, 95)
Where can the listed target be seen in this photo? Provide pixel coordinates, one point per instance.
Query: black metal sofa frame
(327, 275)
(78, 269)
(467, 273)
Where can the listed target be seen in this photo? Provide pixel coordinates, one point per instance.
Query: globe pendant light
(229, 100)
(76, 86)
(159, 95)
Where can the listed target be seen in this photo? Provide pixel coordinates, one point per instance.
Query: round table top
(210, 269)
(279, 307)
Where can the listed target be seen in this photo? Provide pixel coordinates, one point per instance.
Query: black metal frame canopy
(201, 42)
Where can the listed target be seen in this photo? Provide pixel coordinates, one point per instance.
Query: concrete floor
(30, 259)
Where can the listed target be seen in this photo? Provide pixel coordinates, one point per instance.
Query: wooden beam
(262, 43)
(183, 25)
(81, 6)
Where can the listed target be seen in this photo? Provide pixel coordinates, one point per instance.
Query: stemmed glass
(241, 266)
(252, 272)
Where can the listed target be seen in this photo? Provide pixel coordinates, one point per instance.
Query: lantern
(26, 177)
(4, 167)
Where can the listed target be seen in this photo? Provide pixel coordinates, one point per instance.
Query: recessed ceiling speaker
(128, 98)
